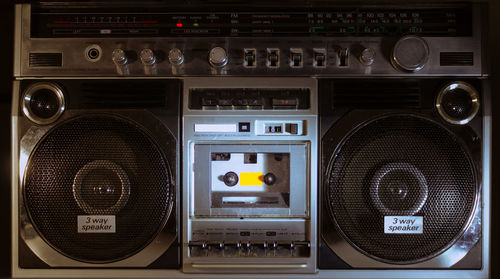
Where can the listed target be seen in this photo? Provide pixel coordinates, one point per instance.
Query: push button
(319, 55)
(244, 126)
(344, 57)
(273, 58)
(296, 57)
(292, 128)
(249, 59)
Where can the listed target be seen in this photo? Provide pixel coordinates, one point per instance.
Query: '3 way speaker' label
(403, 224)
(96, 224)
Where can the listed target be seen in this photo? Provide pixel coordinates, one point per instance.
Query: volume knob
(367, 57)
(175, 56)
(148, 57)
(410, 54)
(217, 57)
(119, 57)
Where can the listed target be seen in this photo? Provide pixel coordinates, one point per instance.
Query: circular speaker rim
(142, 256)
(473, 94)
(27, 97)
(340, 234)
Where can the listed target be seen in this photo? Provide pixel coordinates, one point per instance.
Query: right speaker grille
(401, 165)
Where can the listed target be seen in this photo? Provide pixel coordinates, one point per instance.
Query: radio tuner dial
(217, 57)
(175, 56)
(119, 57)
(148, 57)
(410, 54)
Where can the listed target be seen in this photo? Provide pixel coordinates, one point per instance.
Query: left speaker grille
(98, 165)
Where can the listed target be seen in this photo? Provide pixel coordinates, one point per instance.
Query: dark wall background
(6, 50)
(6, 45)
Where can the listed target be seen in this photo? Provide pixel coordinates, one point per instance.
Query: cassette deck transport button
(292, 128)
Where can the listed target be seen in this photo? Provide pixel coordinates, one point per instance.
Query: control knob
(119, 57)
(175, 56)
(217, 57)
(410, 54)
(148, 57)
(367, 57)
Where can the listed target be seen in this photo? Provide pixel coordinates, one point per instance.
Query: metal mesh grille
(401, 166)
(72, 170)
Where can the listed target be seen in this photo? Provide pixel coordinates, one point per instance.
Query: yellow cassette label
(250, 178)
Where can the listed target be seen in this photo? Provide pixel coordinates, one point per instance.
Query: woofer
(98, 165)
(401, 165)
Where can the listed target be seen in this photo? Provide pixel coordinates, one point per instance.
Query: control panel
(249, 99)
(347, 42)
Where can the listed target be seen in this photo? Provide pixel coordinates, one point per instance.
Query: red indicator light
(179, 24)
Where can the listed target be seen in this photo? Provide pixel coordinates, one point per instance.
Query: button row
(249, 249)
(218, 58)
(296, 57)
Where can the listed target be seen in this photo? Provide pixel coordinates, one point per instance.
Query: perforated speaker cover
(401, 165)
(98, 165)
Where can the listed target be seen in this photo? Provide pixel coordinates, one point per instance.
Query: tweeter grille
(98, 165)
(401, 165)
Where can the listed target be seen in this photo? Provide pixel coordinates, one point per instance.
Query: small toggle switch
(296, 57)
(273, 55)
(249, 59)
(344, 57)
(319, 56)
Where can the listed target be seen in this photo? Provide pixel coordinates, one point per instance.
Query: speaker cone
(401, 165)
(98, 165)
(101, 187)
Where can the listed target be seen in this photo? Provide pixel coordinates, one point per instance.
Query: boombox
(248, 140)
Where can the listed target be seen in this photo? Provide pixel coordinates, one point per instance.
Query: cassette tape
(250, 179)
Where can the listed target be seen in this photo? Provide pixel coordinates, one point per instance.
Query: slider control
(273, 58)
(344, 57)
(296, 57)
(249, 59)
(319, 56)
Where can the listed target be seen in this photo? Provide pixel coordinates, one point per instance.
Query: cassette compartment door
(245, 180)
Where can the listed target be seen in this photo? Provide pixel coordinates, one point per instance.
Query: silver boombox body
(212, 139)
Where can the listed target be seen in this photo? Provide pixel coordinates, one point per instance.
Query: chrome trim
(87, 54)
(239, 266)
(474, 95)
(28, 94)
(18, 39)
